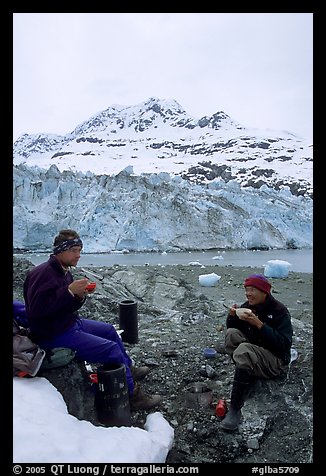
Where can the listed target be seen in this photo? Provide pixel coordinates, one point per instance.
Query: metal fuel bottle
(221, 408)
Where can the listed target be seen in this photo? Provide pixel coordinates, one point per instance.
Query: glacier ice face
(151, 212)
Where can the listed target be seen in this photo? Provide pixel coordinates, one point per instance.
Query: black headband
(66, 245)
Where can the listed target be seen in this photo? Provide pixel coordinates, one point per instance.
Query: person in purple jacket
(258, 339)
(53, 299)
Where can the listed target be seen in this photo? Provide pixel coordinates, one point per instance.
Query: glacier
(154, 212)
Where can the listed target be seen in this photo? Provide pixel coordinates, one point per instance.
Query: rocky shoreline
(177, 318)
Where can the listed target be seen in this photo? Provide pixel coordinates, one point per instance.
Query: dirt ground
(277, 418)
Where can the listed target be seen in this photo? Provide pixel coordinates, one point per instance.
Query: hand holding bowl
(242, 312)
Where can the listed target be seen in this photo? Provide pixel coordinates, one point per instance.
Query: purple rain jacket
(50, 307)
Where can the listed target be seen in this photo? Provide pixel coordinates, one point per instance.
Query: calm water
(300, 260)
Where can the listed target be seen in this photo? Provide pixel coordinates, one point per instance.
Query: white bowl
(242, 312)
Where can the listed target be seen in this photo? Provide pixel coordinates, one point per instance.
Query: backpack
(28, 357)
(58, 357)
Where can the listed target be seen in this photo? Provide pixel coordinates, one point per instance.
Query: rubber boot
(240, 390)
(112, 396)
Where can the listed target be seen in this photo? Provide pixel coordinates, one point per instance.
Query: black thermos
(128, 321)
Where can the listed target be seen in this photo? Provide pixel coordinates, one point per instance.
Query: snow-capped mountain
(159, 136)
(151, 177)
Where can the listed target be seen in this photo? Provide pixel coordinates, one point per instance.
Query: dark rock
(73, 383)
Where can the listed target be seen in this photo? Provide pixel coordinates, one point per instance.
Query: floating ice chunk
(218, 257)
(208, 279)
(294, 354)
(277, 268)
(194, 263)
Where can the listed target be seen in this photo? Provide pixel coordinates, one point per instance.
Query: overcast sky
(256, 67)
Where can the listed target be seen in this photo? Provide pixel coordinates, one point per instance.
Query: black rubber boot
(240, 390)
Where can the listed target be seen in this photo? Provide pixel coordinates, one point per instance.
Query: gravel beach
(177, 318)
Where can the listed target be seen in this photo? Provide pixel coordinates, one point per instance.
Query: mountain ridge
(160, 136)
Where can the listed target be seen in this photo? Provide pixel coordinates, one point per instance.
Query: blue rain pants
(94, 342)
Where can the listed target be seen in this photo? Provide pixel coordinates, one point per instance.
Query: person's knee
(243, 357)
(230, 331)
(112, 332)
(229, 336)
(233, 338)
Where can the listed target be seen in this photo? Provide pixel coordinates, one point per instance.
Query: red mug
(91, 286)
